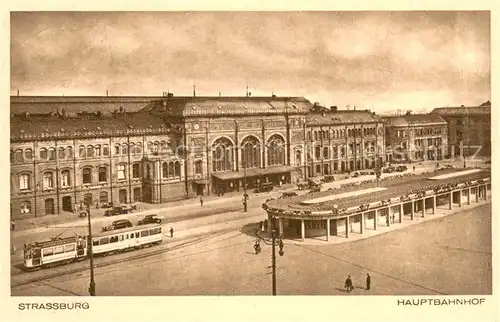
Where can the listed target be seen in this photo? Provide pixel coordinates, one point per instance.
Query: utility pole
(273, 257)
(91, 255)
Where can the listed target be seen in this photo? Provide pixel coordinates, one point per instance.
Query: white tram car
(66, 250)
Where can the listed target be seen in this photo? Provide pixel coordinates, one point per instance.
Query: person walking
(413, 168)
(368, 281)
(348, 284)
(201, 201)
(12, 225)
(171, 232)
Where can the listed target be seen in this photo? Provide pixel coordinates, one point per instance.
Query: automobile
(390, 169)
(119, 210)
(328, 179)
(289, 194)
(401, 168)
(355, 174)
(150, 219)
(118, 224)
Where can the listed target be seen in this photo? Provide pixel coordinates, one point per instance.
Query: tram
(66, 250)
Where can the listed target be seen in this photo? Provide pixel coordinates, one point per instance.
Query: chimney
(106, 92)
(194, 90)
(247, 92)
(18, 92)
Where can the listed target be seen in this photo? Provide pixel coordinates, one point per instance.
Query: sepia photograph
(245, 153)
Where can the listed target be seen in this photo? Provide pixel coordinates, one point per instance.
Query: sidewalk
(177, 210)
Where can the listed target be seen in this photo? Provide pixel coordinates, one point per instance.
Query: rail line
(196, 239)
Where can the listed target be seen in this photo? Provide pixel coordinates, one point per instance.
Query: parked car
(401, 168)
(355, 174)
(150, 219)
(120, 210)
(289, 194)
(328, 179)
(390, 169)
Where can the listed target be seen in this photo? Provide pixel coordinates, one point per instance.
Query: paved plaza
(449, 255)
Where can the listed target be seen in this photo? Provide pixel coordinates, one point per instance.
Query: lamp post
(91, 255)
(274, 242)
(245, 164)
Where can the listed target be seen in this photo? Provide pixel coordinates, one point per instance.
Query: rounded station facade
(355, 209)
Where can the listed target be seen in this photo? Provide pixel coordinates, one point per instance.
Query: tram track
(192, 241)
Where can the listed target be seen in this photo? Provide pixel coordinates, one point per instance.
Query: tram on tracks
(70, 249)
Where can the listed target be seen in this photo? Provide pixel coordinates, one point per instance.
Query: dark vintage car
(390, 169)
(328, 179)
(150, 219)
(289, 194)
(401, 168)
(120, 210)
(265, 187)
(118, 224)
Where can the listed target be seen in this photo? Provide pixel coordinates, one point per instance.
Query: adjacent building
(469, 129)
(415, 137)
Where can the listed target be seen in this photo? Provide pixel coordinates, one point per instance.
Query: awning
(252, 172)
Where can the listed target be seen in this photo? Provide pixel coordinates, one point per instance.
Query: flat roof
(341, 195)
(394, 188)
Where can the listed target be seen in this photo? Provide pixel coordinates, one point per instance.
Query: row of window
(124, 236)
(89, 151)
(339, 134)
(48, 177)
(429, 131)
(368, 147)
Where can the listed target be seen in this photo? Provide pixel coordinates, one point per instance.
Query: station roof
(229, 106)
(395, 188)
(77, 104)
(48, 126)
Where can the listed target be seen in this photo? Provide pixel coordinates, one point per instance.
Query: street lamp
(90, 254)
(274, 242)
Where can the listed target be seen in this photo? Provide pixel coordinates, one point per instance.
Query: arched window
(18, 157)
(275, 150)
(24, 182)
(97, 150)
(121, 172)
(250, 154)
(43, 154)
(48, 180)
(156, 147)
(61, 155)
(164, 170)
(136, 171)
(103, 174)
(86, 175)
(222, 155)
(28, 154)
(171, 169)
(90, 151)
(132, 148)
(103, 197)
(117, 149)
(52, 154)
(298, 158)
(69, 152)
(150, 147)
(315, 135)
(198, 167)
(139, 148)
(81, 151)
(65, 178)
(105, 150)
(25, 207)
(124, 149)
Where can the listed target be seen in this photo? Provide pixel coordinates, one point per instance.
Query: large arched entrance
(275, 150)
(222, 161)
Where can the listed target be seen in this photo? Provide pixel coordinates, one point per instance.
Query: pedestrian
(12, 225)
(171, 232)
(348, 284)
(413, 168)
(201, 201)
(261, 226)
(368, 281)
(393, 218)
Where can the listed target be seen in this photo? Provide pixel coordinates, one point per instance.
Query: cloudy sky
(383, 61)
